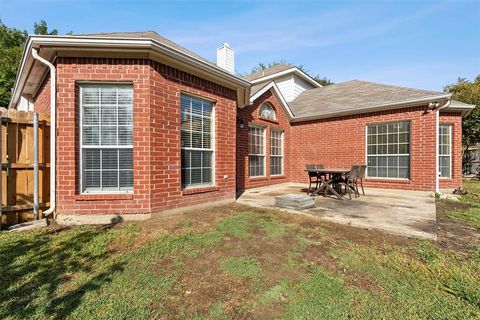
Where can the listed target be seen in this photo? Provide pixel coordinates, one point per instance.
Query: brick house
(144, 125)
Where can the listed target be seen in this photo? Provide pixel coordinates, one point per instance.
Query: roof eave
(278, 94)
(106, 42)
(294, 69)
(465, 109)
(381, 107)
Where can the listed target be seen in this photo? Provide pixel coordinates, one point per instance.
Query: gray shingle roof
(255, 88)
(154, 36)
(268, 71)
(355, 97)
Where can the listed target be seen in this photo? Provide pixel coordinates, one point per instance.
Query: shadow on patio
(407, 213)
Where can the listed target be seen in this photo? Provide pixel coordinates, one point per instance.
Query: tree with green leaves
(42, 28)
(468, 92)
(12, 41)
(11, 46)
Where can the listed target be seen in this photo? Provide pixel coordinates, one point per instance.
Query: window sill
(392, 180)
(277, 177)
(197, 190)
(106, 196)
(257, 178)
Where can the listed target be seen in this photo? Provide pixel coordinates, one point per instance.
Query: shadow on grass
(36, 270)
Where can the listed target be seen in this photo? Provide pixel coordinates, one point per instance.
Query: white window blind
(276, 152)
(445, 150)
(388, 150)
(106, 138)
(256, 151)
(197, 146)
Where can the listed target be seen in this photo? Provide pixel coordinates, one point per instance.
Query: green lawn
(469, 212)
(236, 262)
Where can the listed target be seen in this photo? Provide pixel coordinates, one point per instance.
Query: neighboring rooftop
(354, 97)
(268, 71)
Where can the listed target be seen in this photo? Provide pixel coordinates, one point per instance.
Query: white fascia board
(295, 70)
(464, 109)
(375, 108)
(105, 42)
(278, 94)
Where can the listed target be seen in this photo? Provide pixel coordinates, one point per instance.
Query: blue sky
(422, 44)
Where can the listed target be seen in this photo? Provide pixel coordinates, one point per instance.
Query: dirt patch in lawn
(235, 294)
(453, 234)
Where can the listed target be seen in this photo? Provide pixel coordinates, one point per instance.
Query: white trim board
(278, 94)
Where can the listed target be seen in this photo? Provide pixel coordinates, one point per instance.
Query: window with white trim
(267, 112)
(256, 151)
(388, 150)
(197, 143)
(106, 138)
(445, 150)
(276, 152)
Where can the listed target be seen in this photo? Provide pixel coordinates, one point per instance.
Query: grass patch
(286, 268)
(241, 267)
(469, 211)
(239, 225)
(278, 293)
(470, 216)
(272, 228)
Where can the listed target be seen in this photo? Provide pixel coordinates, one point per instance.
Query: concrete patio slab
(406, 213)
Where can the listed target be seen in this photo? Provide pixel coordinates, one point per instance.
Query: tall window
(106, 138)
(445, 150)
(388, 150)
(267, 112)
(276, 152)
(256, 151)
(197, 141)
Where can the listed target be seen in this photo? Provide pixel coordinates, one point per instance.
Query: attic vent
(226, 58)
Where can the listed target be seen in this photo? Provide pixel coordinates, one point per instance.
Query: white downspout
(53, 132)
(437, 129)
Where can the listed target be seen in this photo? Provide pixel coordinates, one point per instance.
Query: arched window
(267, 112)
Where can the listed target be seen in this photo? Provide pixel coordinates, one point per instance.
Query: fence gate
(17, 158)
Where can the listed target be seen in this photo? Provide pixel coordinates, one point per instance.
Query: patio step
(294, 201)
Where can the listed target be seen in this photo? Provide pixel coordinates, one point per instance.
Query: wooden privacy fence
(17, 170)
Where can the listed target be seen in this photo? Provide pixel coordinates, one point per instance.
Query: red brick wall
(156, 136)
(455, 120)
(41, 100)
(165, 86)
(251, 115)
(340, 142)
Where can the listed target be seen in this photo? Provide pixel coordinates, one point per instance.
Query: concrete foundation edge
(71, 219)
(67, 219)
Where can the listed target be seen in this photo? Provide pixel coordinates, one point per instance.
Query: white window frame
(264, 154)
(266, 104)
(282, 148)
(81, 86)
(444, 155)
(398, 154)
(212, 143)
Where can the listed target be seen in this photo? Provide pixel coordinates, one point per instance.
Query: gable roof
(353, 97)
(279, 71)
(268, 71)
(262, 88)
